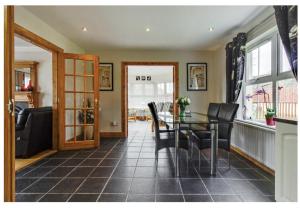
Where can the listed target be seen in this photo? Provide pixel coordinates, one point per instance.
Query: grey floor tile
(112, 198)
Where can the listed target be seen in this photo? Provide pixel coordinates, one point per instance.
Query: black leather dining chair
(213, 110)
(165, 138)
(202, 138)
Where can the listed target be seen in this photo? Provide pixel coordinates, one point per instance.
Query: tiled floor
(124, 170)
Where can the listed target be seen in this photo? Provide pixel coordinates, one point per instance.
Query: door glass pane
(89, 98)
(69, 117)
(79, 133)
(69, 100)
(89, 117)
(80, 117)
(79, 83)
(89, 83)
(89, 67)
(287, 99)
(79, 100)
(69, 66)
(69, 83)
(79, 67)
(69, 134)
(89, 132)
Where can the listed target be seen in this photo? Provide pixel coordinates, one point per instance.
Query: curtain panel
(286, 19)
(235, 67)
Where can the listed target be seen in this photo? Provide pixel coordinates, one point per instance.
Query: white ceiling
(123, 27)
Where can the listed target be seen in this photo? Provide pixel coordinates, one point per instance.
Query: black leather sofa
(33, 131)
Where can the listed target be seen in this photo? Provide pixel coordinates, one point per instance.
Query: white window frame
(276, 75)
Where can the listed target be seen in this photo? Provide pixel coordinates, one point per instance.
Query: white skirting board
(257, 142)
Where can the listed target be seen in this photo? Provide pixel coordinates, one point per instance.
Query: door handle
(10, 107)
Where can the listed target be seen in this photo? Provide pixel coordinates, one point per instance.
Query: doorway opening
(33, 95)
(145, 82)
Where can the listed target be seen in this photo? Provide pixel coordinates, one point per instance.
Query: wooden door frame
(124, 88)
(9, 131)
(35, 39)
(11, 29)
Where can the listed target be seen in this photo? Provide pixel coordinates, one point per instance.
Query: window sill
(255, 124)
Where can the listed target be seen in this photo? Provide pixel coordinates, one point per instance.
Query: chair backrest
(227, 112)
(153, 110)
(213, 110)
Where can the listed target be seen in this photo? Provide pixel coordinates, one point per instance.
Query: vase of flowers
(270, 116)
(87, 116)
(183, 102)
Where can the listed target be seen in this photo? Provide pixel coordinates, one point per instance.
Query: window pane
(170, 88)
(149, 89)
(284, 62)
(161, 89)
(265, 59)
(137, 89)
(259, 61)
(258, 98)
(254, 63)
(287, 97)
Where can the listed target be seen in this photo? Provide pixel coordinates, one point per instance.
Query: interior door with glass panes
(80, 100)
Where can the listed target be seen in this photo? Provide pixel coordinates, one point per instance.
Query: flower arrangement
(183, 102)
(270, 116)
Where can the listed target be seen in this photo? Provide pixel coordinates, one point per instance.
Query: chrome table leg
(214, 148)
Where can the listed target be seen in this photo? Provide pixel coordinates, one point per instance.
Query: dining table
(188, 122)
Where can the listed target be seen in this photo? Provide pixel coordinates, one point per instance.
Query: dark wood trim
(284, 120)
(253, 160)
(9, 119)
(124, 85)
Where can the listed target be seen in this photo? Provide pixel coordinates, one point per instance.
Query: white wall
(34, 24)
(110, 102)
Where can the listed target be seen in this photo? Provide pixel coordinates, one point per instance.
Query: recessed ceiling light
(147, 29)
(84, 29)
(211, 29)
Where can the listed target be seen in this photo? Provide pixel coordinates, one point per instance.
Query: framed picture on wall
(106, 76)
(196, 76)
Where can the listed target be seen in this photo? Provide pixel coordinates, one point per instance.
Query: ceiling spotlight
(211, 29)
(147, 29)
(84, 29)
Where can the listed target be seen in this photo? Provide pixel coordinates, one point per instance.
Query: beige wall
(34, 24)
(110, 102)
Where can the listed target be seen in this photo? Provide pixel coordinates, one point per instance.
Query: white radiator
(258, 141)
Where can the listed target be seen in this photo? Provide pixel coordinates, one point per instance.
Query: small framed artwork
(106, 77)
(196, 76)
(143, 78)
(148, 78)
(137, 78)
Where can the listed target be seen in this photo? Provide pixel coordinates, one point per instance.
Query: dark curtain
(286, 18)
(235, 67)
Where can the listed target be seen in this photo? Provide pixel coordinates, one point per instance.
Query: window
(287, 98)
(259, 61)
(269, 82)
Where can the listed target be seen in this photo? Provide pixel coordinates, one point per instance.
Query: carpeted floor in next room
(124, 170)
